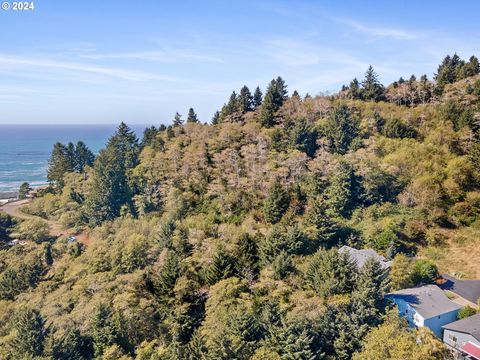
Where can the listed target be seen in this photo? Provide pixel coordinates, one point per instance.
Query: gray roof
(427, 300)
(469, 325)
(361, 256)
(467, 289)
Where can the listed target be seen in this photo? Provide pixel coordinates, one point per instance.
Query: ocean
(25, 149)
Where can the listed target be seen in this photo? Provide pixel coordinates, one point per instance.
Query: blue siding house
(426, 306)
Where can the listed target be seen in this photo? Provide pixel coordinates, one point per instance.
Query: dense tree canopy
(220, 241)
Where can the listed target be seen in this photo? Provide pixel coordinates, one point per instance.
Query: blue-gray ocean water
(25, 149)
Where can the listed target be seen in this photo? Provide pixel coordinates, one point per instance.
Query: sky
(90, 61)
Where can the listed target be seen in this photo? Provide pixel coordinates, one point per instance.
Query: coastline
(12, 195)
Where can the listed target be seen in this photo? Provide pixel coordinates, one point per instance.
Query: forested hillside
(219, 241)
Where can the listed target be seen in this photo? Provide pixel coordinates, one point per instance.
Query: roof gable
(469, 325)
(361, 256)
(427, 300)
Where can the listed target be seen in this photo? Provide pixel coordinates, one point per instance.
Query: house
(425, 306)
(463, 336)
(465, 292)
(361, 256)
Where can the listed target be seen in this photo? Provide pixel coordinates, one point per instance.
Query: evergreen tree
(257, 98)
(325, 228)
(341, 129)
(272, 245)
(165, 234)
(83, 157)
(447, 72)
(192, 117)
(245, 100)
(304, 137)
(59, 164)
(71, 346)
(110, 189)
(24, 190)
(28, 334)
(275, 96)
(177, 119)
(276, 203)
(105, 330)
(354, 89)
(216, 118)
(167, 276)
(344, 191)
(222, 267)
(247, 254)
(295, 94)
(372, 89)
(292, 341)
(7, 223)
(48, 254)
(126, 145)
(282, 265)
(331, 273)
(232, 105)
(370, 288)
(471, 68)
(149, 136)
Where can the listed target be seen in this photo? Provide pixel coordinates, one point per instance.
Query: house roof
(361, 256)
(472, 350)
(467, 289)
(469, 325)
(427, 300)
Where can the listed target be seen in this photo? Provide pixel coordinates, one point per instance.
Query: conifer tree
(292, 341)
(282, 265)
(295, 94)
(354, 89)
(48, 254)
(232, 105)
(222, 267)
(72, 346)
(257, 98)
(341, 129)
(192, 116)
(126, 145)
(344, 192)
(59, 164)
(276, 203)
(216, 118)
(324, 226)
(105, 330)
(245, 100)
(247, 254)
(304, 137)
(110, 189)
(447, 72)
(330, 272)
(168, 274)
(275, 96)
(83, 157)
(24, 190)
(177, 119)
(372, 89)
(28, 334)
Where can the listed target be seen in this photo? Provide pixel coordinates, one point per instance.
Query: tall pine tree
(192, 116)
(276, 203)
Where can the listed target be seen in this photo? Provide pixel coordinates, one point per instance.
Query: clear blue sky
(89, 61)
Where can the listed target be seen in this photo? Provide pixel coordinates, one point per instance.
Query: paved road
(56, 230)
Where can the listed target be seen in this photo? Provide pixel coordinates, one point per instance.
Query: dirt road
(56, 230)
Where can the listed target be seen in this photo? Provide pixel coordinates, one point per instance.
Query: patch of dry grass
(460, 255)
